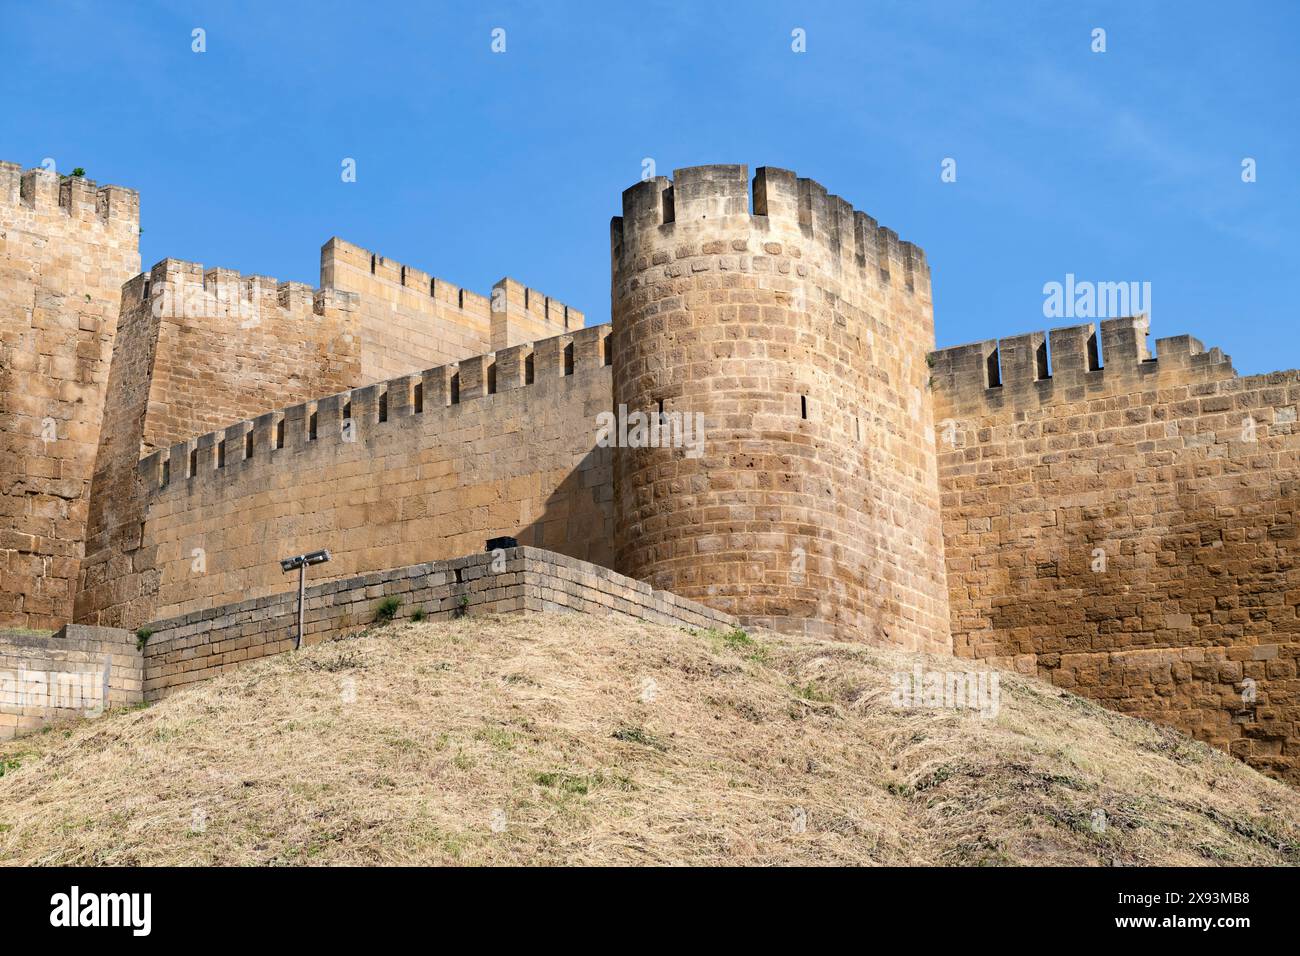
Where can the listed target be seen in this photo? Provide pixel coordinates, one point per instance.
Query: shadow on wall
(577, 519)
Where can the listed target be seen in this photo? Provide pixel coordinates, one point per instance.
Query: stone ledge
(196, 646)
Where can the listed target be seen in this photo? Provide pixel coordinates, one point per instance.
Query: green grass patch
(581, 783)
(639, 735)
(387, 609)
(737, 640)
(810, 692)
(9, 764)
(497, 737)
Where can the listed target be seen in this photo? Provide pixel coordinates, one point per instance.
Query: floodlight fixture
(300, 563)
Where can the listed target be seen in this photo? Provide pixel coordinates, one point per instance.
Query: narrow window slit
(994, 370)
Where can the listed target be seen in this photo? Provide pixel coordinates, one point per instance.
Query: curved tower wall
(799, 330)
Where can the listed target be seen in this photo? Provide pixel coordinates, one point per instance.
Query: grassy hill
(556, 739)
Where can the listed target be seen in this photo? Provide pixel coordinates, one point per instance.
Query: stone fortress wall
(1064, 503)
(66, 247)
(1125, 525)
(418, 468)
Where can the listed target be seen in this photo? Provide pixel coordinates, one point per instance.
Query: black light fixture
(300, 563)
(302, 560)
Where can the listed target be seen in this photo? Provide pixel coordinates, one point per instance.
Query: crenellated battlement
(178, 289)
(778, 204)
(42, 192)
(410, 319)
(339, 256)
(356, 414)
(1045, 367)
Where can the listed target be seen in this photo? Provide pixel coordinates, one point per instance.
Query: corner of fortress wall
(799, 331)
(1124, 524)
(229, 346)
(196, 349)
(201, 348)
(66, 247)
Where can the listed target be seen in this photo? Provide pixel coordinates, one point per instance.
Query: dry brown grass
(549, 725)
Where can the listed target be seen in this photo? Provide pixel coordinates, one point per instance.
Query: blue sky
(1124, 165)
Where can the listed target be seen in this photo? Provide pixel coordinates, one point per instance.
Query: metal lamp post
(300, 563)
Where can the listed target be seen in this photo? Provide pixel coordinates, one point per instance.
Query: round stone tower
(796, 333)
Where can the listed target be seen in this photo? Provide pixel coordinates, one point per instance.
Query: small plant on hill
(810, 692)
(737, 639)
(78, 172)
(417, 615)
(584, 783)
(462, 606)
(142, 636)
(388, 608)
(639, 735)
(349, 659)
